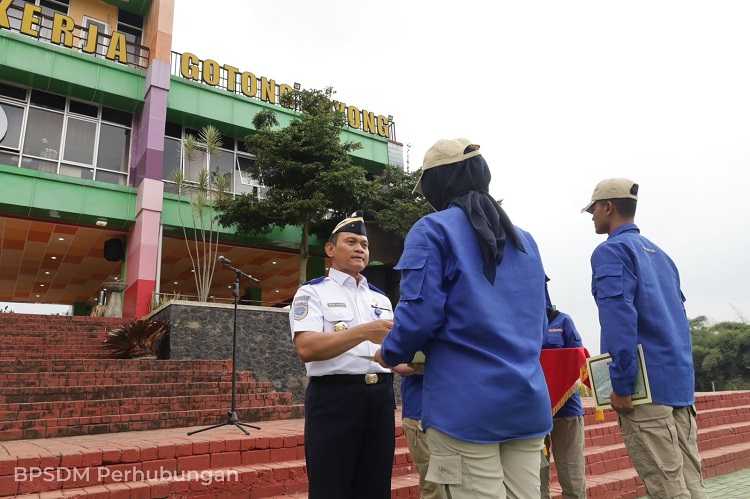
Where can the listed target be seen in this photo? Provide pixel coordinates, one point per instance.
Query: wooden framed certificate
(601, 383)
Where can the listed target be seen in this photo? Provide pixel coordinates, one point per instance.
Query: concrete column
(147, 164)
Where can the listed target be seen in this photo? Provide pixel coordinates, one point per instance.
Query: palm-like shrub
(138, 338)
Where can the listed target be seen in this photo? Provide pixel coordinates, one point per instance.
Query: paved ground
(733, 486)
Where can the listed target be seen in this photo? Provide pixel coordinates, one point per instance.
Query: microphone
(224, 260)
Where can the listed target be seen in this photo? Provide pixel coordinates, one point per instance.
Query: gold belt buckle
(371, 378)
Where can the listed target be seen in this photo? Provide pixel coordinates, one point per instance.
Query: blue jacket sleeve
(421, 308)
(571, 338)
(614, 286)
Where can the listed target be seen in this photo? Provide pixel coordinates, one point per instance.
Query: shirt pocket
(412, 266)
(608, 281)
(553, 339)
(335, 315)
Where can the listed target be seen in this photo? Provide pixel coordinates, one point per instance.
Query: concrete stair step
(98, 365)
(276, 447)
(97, 425)
(18, 395)
(88, 408)
(52, 380)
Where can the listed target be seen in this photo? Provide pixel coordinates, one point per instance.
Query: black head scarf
(466, 185)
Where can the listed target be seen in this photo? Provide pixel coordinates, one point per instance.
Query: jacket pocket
(608, 281)
(412, 266)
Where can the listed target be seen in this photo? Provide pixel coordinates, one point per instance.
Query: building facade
(95, 109)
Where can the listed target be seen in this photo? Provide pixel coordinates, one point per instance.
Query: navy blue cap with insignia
(354, 224)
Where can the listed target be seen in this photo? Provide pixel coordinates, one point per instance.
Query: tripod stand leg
(209, 428)
(249, 426)
(240, 426)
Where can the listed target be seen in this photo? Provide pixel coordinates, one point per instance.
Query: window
(195, 163)
(83, 108)
(50, 101)
(114, 144)
(55, 134)
(11, 119)
(131, 25)
(8, 158)
(222, 165)
(12, 91)
(43, 132)
(80, 138)
(172, 157)
(244, 183)
(102, 31)
(49, 7)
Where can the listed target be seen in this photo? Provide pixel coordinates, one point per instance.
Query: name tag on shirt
(555, 330)
(336, 305)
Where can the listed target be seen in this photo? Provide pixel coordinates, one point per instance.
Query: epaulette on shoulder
(317, 280)
(376, 289)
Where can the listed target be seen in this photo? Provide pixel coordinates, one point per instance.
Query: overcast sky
(558, 94)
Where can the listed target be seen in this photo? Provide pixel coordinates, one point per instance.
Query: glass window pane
(195, 162)
(222, 166)
(243, 180)
(51, 101)
(173, 130)
(12, 91)
(77, 172)
(8, 158)
(15, 13)
(171, 158)
(79, 141)
(170, 187)
(43, 131)
(242, 146)
(114, 147)
(115, 116)
(111, 178)
(11, 120)
(84, 108)
(39, 165)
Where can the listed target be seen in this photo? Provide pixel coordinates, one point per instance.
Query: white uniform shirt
(322, 304)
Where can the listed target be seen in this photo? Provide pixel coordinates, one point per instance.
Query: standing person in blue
(637, 290)
(472, 299)
(411, 399)
(336, 322)
(567, 437)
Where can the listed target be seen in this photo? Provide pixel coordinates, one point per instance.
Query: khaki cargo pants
(567, 439)
(465, 470)
(662, 442)
(420, 454)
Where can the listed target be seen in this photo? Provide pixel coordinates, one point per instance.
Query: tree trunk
(304, 253)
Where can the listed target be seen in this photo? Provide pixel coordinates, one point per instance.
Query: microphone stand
(232, 418)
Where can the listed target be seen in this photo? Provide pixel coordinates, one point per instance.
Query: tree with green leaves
(306, 169)
(721, 354)
(393, 202)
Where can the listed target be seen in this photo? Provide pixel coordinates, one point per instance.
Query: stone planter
(200, 330)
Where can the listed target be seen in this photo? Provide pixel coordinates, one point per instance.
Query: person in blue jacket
(472, 300)
(567, 437)
(636, 287)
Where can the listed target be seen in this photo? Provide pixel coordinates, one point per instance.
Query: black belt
(353, 379)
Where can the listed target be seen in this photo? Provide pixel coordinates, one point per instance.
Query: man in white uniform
(336, 323)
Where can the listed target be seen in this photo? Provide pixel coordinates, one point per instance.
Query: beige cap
(613, 188)
(445, 152)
